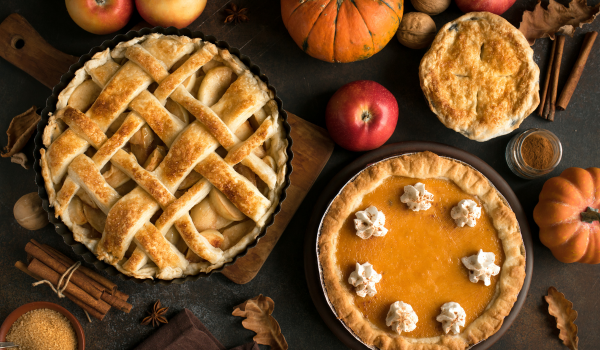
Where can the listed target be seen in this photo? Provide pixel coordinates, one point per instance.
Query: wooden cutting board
(23, 46)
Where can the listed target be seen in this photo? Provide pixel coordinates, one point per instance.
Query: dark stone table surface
(305, 85)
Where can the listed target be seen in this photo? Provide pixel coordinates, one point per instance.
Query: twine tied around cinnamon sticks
(59, 290)
(90, 291)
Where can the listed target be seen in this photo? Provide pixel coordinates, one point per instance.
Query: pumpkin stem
(366, 116)
(590, 215)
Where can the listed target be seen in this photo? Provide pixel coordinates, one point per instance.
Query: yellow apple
(166, 13)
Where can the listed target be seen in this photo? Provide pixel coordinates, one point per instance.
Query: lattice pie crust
(187, 158)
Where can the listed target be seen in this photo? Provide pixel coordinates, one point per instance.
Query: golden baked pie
(165, 157)
(446, 272)
(479, 76)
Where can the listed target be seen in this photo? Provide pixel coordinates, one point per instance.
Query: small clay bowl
(8, 322)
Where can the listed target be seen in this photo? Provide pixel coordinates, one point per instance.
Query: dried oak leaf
(562, 310)
(20, 130)
(557, 19)
(20, 158)
(258, 312)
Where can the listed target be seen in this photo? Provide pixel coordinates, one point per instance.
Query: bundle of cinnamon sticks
(548, 100)
(92, 292)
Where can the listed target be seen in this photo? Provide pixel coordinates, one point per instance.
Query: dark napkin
(186, 332)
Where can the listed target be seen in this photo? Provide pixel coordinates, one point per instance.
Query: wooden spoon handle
(23, 46)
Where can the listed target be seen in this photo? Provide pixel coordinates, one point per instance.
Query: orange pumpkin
(342, 30)
(568, 216)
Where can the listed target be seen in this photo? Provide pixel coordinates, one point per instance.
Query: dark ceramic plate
(63, 230)
(311, 265)
(8, 322)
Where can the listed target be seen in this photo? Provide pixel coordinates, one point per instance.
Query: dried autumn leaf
(20, 130)
(258, 312)
(562, 310)
(20, 158)
(557, 19)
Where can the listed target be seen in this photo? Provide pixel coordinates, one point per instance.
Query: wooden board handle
(23, 46)
(312, 148)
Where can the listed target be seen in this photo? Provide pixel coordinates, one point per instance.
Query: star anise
(236, 15)
(156, 316)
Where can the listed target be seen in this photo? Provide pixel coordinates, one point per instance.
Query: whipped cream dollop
(453, 317)
(401, 317)
(466, 213)
(369, 222)
(481, 267)
(363, 279)
(417, 197)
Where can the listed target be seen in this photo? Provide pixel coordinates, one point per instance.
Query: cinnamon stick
(90, 310)
(121, 295)
(110, 286)
(53, 277)
(58, 264)
(68, 262)
(81, 280)
(560, 45)
(93, 312)
(19, 265)
(117, 302)
(547, 83)
(569, 89)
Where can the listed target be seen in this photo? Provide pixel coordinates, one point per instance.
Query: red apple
(100, 16)
(361, 115)
(494, 6)
(166, 13)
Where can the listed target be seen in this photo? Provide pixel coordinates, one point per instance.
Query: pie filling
(420, 256)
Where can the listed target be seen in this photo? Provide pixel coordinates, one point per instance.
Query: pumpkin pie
(445, 262)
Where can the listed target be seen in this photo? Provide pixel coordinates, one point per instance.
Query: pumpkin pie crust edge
(424, 165)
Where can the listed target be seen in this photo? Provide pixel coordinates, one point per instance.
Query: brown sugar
(43, 329)
(537, 152)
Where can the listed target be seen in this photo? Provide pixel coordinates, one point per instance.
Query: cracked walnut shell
(430, 7)
(416, 31)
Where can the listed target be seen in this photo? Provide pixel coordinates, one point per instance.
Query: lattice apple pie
(166, 156)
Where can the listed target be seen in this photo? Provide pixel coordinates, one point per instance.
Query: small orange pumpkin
(568, 215)
(342, 30)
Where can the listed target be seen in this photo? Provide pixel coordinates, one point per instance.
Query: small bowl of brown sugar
(533, 153)
(43, 326)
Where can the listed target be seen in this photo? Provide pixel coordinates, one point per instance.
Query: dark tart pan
(64, 231)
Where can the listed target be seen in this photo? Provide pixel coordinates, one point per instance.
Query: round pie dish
(351, 321)
(197, 185)
(20, 311)
(479, 76)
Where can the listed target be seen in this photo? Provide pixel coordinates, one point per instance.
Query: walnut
(430, 7)
(416, 31)
(29, 212)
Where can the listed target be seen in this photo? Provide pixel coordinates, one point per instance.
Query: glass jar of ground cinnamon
(533, 153)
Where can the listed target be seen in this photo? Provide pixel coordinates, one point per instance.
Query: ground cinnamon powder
(537, 152)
